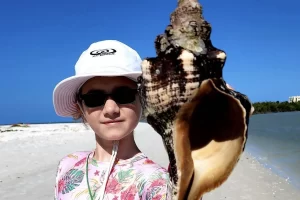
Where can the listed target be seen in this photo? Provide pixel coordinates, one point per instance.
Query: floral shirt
(135, 178)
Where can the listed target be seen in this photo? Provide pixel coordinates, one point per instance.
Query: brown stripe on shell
(160, 89)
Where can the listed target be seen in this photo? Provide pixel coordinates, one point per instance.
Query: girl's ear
(80, 115)
(79, 112)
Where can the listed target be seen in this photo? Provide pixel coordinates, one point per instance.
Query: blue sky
(42, 40)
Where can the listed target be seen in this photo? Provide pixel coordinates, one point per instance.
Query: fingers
(252, 108)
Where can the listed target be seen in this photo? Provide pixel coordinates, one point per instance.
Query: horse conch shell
(203, 123)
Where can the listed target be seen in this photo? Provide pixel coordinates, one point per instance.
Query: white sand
(29, 158)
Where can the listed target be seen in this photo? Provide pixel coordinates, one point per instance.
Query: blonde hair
(78, 115)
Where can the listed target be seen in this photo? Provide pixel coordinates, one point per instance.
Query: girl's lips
(112, 122)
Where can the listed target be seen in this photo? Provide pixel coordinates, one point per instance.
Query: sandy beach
(29, 157)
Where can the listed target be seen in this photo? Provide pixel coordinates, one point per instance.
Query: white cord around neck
(100, 194)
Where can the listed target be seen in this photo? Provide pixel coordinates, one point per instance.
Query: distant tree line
(267, 107)
(275, 106)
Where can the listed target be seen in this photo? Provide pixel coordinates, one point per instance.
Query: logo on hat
(103, 52)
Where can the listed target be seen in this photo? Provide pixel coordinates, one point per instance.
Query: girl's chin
(113, 136)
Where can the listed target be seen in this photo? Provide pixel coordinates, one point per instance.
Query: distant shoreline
(265, 107)
(62, 122)
(275, 107)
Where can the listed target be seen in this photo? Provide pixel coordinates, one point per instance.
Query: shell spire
(188, 28)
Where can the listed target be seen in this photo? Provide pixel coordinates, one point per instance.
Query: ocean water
(274, 139)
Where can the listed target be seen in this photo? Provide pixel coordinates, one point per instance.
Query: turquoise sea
(274, 139)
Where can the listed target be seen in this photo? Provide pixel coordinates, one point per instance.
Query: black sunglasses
(121, 95)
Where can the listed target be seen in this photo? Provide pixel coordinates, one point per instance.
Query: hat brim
(64, 94)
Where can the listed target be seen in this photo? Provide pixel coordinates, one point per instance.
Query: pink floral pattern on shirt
(132, 179)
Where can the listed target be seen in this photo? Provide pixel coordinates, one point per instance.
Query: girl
(103, 93)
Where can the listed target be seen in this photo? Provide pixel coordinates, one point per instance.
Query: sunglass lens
(94, 99)
(124, 95)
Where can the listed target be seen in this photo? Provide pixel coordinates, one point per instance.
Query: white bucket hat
(103, 58)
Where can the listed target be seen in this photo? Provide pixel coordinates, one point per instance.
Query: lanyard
(111, 163)
(87, 177)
